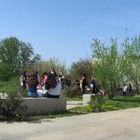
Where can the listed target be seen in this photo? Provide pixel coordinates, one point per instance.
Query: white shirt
(124, 88)
(56, 90)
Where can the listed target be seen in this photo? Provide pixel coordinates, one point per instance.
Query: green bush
(109, 107)
(10, 86)
(97, 103)
(10, 107)
(88, 108)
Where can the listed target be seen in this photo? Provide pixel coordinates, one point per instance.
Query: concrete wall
(44, 105)
(87, 98)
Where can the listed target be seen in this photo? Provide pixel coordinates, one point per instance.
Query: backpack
(51, 82)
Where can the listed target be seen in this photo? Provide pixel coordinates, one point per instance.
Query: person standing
(37, 76)
(23, 79)
(84, 83)
(129, 88)
(125, 89)
(68, 81)
(93, 85)
(62, 78)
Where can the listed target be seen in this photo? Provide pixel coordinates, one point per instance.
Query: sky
(64, 29)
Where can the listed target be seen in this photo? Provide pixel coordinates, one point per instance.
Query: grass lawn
(123, 102)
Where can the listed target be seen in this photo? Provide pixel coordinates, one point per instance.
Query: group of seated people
(49, 85)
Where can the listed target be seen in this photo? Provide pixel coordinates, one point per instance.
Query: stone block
(44, 105)
(87, 98)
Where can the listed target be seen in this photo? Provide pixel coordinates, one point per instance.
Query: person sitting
(32, 85)
(53, 86)
(54, 92)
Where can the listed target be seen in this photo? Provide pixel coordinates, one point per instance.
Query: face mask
(52, 72)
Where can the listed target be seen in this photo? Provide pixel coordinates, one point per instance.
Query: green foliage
(114, 67)
(81, 67)
(132, 61)
(15, 56)
(118, 102)
(110, 107)
(45, 66)
(10, 86)
(11, 109)
(97, 103)
(88, 108)
(125, 102)
(9, 60)
(107, 67)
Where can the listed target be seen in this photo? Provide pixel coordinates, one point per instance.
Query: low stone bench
(87, 98)
(44, 105)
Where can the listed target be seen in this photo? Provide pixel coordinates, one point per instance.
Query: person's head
(44, 74)
(68, 77)
(25, 72)
(36, 72)
(32, 79)
(125, 84)
(83, 75)
(61, 73)
(53, 71)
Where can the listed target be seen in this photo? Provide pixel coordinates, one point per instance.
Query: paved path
(116, 125)
(72, 104)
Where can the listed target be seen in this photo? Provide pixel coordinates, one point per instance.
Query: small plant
(97, 103)
(10, 107)
(88, 108)
(110, 107)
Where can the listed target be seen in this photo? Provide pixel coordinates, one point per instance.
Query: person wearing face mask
(53, 72)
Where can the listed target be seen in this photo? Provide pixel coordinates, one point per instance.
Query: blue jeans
(31, 94)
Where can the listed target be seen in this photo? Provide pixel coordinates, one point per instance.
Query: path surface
(72, 104)
(116, 125)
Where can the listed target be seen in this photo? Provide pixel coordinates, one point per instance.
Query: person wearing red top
(44, 75)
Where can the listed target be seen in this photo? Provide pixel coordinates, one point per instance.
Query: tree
(108, 65)
(45, 66)
(81, 67)
(132, 61)
(58, 65)
(25, 53)
(9, 58)
(15, 55)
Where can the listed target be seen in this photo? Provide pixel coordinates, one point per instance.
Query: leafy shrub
(88, 108)
(10, 86)
(109, 107)
(10, 107)
(97, 103)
